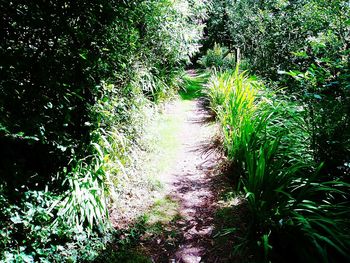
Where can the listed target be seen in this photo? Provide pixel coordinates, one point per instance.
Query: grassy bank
(293, 209)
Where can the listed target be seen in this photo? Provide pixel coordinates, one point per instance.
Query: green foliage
(217, 24)
(294, 158)
(310, 40)
(85, 203)
(75, 80)
(28, 234)
(269, 32)
(269, 140)
(218, 57)
(192, 84)
(232, 96)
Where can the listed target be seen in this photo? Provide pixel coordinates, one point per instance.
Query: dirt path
(190, 182)
(191, 213)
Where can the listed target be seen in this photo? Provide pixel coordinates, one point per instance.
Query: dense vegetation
(75, 78)
(302, 45)
(286, 130)
(78, 78)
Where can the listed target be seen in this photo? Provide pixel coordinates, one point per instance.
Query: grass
(193, 85)
(157, 223)
(267, 136)
(165, 141)
(168, 141)
(163, 211)
(166, 128)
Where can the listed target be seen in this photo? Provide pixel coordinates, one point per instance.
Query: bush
(268, 138)
(74, 80)
(218, 57)
(309, 39)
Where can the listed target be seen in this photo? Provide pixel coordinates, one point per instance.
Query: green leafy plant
(218, 57)
(269, 138)
(74, 94)
(85, 203)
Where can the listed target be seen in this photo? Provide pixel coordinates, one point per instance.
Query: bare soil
(192, 182)
(188, 223)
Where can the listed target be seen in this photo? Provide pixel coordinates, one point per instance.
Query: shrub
(304, 37)
(218, 57)
(75, 77)
(268, 138)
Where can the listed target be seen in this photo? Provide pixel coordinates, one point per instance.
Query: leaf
(27, 258)
(16, 219)
(99, 150)
(316, 96)
(83, 56)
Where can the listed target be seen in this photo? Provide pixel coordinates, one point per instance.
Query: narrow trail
(190, 182)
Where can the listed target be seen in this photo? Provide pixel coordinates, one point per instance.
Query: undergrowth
(80, 82)
(267, 138)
